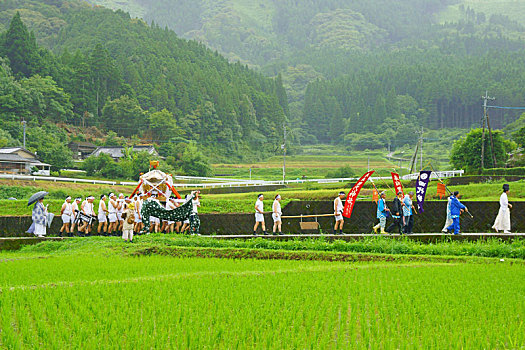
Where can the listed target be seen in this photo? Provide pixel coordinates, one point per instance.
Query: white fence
(59, 179)
(435, 175)
(217, 184)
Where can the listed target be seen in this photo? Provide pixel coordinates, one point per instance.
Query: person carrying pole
(138, 218)
(276, 215)
(67, 216)
(113, 207)
(338, 213)
(456, 208)
(75, 209)
(259, 215)
(408, 213)
(102, 218)
(397, 213)
(382, 211)
(194, 216)
(88, 210)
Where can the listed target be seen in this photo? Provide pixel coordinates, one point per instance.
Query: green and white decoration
(153, 208)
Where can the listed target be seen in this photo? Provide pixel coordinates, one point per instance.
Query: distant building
(18, 160)
(81, 150)
(118, 152)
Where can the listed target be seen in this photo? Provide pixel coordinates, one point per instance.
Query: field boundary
(219, 182)
(310, 255)
(201, 274)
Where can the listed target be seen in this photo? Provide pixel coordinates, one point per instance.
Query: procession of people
(121, 216)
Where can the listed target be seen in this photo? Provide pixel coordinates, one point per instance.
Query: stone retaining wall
(363, 218)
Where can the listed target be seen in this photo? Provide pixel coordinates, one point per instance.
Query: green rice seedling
(103, 298)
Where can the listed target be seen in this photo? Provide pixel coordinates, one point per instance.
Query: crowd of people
(276, 215)
(402, 212)
(116, 216)
(121, 215)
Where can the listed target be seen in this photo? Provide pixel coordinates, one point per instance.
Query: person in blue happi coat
(382, 213)
(456, 208)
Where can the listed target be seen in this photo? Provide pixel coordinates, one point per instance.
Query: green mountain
(364, 66)
(71, 63)
(357, 73)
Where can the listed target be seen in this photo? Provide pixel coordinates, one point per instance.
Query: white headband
(68, 197)
(90, 197)
(278, 196)
(259, 196)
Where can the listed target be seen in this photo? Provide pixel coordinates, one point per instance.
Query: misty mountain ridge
(260, 32)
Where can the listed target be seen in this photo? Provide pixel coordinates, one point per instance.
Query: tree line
(105, 70)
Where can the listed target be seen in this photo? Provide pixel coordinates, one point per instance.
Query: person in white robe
(449, 221)
(502, 222)
(39, 217)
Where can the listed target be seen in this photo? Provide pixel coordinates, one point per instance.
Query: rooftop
(116, 151)
(7, 150)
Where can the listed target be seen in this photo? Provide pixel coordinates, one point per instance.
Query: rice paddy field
(309, 166)
(102, 293)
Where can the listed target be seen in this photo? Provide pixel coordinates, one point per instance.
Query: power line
(499, 107)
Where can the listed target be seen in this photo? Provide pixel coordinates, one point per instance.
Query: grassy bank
(244, 202)
(491, 248)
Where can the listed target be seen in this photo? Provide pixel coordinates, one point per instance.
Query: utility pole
(421, 148)
(24, 126)
(485, 121)
(284, 153)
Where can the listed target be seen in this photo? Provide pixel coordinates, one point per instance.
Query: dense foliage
(362, 74)
(107, 70)
(180, 158)
(466, 152)
(366, 74)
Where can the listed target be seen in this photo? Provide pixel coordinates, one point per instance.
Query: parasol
(36, 197)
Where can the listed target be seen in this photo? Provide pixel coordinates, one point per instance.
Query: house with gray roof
(118, 152)
(18, 160)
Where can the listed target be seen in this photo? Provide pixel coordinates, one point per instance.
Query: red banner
(375, 196)
(397, 183)
(352, 195)
(441, 190)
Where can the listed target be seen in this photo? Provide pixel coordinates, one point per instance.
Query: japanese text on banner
(352, 195)
(397, 183)
(421, 188)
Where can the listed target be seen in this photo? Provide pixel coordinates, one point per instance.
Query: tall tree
(21, 49)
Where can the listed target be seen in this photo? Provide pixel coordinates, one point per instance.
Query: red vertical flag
(352, 195)
(375, 196)
(397, 183)
(441, 190)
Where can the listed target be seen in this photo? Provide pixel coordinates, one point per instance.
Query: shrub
(504, 171)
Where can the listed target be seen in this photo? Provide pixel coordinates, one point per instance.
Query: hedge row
(504, 171)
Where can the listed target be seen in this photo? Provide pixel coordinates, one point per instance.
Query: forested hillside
(67, 63)
(359, 73)
(356, 70)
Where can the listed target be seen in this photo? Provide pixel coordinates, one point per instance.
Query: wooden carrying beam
(307, 216)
